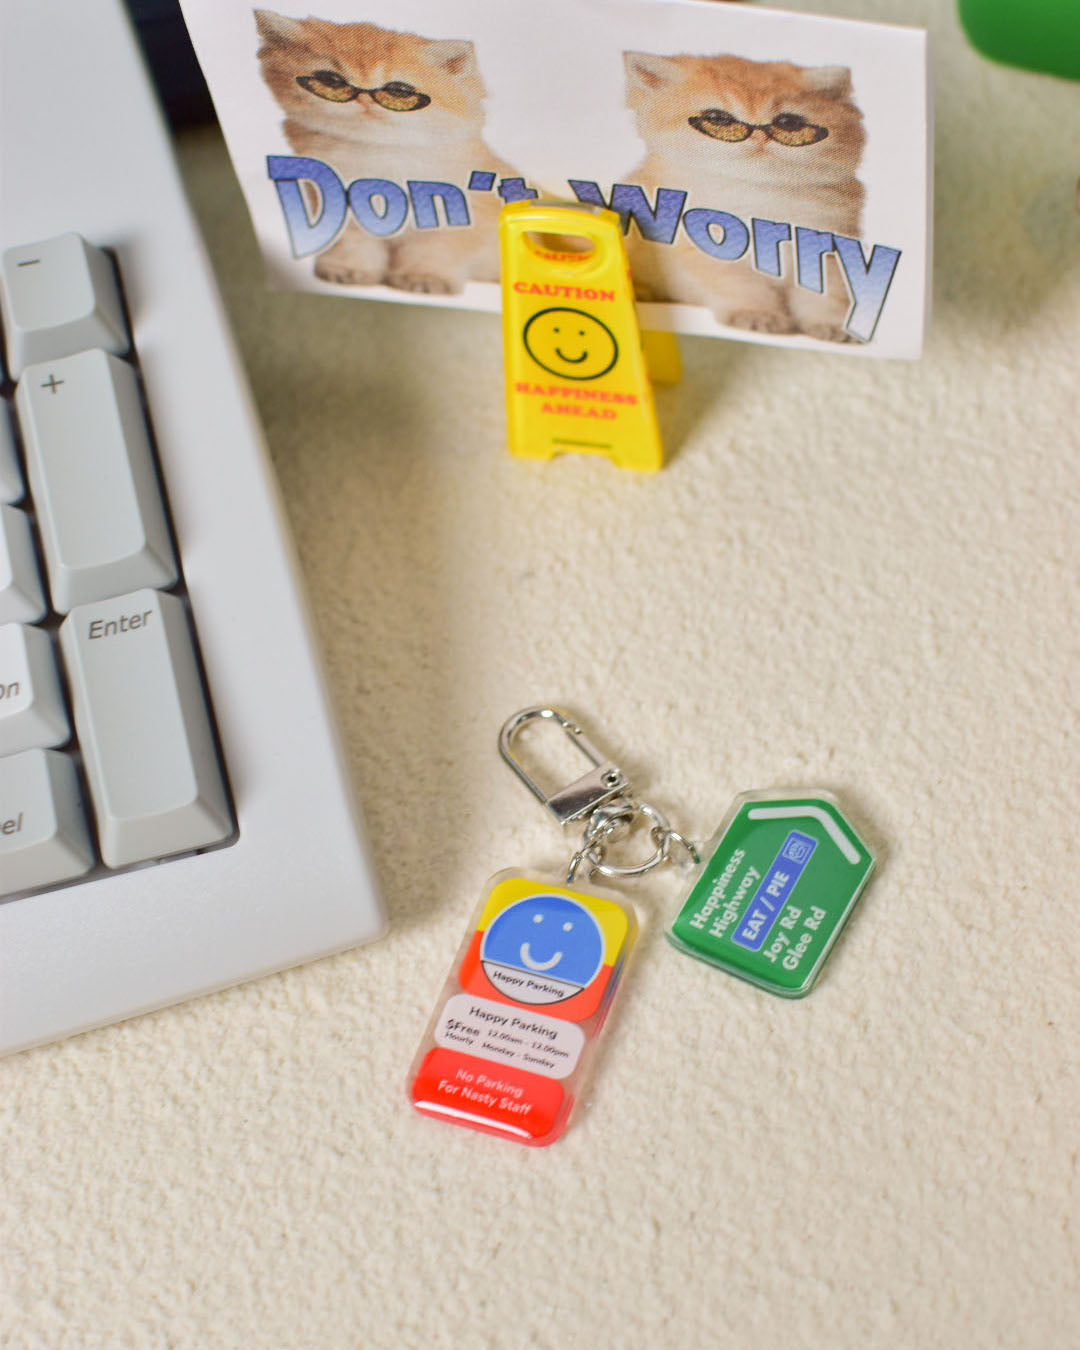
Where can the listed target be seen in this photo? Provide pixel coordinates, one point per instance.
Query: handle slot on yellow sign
(577, 377)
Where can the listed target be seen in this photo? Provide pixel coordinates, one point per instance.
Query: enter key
(147, 743)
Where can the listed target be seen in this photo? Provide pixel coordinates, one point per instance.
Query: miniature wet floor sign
(515, 1026)
(775, 888)
(576, 375)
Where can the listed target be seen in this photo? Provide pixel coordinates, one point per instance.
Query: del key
(147, 745)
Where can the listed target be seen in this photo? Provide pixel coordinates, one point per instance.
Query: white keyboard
(175, 811)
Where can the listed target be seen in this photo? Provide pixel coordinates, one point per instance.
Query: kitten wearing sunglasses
(756, 138)
(374, 103)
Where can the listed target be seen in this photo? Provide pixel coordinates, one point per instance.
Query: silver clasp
(604, 780)
(601, 798)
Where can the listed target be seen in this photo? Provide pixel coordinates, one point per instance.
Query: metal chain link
(615, 819)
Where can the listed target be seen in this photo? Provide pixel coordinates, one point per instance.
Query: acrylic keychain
(517, 1023)
(772, 890)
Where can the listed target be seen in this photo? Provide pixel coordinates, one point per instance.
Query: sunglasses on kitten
(785, 128)
(397, 96)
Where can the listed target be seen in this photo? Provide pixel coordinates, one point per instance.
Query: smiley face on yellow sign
(571, 344)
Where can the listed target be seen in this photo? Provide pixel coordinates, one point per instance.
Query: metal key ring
(661, 833)
(692, 850)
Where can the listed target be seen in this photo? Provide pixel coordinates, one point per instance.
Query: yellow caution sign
(576, 375)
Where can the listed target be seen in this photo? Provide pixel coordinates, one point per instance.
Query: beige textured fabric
(856, 575)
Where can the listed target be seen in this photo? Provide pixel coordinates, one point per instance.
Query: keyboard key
(32, 711)
(59, 297)
(143, 726)
(92, 475)
(43, 834)
(22, 599)
(11, 483)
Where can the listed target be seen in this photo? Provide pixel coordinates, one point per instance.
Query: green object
(776, 887)
(1038, 34)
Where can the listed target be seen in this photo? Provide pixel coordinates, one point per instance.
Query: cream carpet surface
(854, 575)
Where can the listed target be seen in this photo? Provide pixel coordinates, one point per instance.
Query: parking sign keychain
(515, 1028)
(517, 1023)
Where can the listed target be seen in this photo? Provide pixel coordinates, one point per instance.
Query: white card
(772, 170)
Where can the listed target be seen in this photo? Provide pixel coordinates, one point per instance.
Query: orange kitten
(763, 139)
(373, 103)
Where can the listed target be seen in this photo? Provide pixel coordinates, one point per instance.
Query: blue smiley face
(547, 935)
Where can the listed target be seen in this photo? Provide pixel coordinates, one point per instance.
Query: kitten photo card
(771, 170)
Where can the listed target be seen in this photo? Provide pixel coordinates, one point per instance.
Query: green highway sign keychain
(773, 890)
(770, 892)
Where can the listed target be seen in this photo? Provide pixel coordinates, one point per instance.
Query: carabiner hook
(604, 781)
